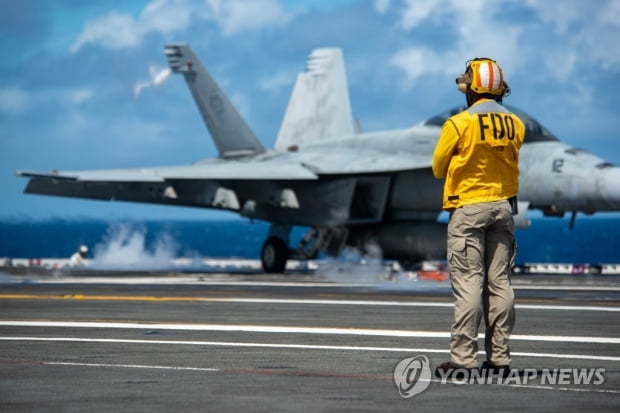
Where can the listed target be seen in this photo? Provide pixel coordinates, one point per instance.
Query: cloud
(13, 100)
(415, 11)
(577, 36)
(382, 6)
(475, 29)
(237, 16)
(560, 14)
(117, 31)
(590, 32)
(417, 62)
(79, 96)
(277, 81)
(113, 31)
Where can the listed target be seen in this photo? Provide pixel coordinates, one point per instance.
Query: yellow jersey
(478, 155)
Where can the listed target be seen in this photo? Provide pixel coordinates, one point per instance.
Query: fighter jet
(350, 189)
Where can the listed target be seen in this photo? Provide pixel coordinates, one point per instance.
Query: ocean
(549, 240)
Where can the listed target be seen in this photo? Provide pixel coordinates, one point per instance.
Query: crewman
(78, 259)
(478, 154)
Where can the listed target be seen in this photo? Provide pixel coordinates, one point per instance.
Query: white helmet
(84, 249)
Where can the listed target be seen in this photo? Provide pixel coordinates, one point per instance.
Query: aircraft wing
(225, 170)
(308, 189)
(310, 167)
(202, 185)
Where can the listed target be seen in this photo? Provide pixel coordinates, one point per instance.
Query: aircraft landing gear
(326, 239)
(274, 255)
(275, 251)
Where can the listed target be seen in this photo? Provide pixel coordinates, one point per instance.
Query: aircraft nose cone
(610, 188)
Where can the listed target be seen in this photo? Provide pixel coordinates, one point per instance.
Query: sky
(83, 83)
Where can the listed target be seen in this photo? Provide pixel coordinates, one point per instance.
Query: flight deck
(216, 341)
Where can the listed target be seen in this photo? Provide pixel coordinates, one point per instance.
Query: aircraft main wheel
(274, 255)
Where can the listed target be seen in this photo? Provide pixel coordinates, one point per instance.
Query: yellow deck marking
(100, 297)
(609, 307)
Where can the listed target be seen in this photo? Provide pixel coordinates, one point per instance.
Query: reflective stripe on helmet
(487, 77)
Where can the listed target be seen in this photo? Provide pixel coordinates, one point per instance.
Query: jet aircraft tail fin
(319, 106)
(231, 134)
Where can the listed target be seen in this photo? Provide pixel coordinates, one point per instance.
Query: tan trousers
(481, 250)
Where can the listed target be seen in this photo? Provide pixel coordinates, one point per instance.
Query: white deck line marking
(565, 307)
(400, 303)
(388, 286)
(196, 280)
(295, 346)
(181, 368)
(573, 389)
(292, 330)
(129, 366)
(206, 369)
(566, 287)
